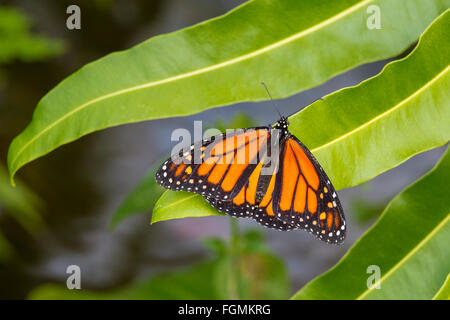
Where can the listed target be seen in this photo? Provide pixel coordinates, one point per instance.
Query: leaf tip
(153, 221)
(11, 180)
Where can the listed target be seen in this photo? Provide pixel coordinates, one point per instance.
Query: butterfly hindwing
(254, 200)
(304, 196)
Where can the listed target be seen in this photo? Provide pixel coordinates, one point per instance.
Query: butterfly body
(262, 173)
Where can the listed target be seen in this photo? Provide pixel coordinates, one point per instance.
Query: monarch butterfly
(289, 191)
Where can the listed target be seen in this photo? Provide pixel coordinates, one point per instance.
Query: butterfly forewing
(218, 167)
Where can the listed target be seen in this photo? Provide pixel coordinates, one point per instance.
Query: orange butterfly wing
(304, 196)
(227, 171)
(216, 168)
(255, 201)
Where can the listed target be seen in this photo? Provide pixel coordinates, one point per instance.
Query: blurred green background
(61, 210)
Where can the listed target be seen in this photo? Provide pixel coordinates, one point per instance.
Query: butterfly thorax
(283, 125)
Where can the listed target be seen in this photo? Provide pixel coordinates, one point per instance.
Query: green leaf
(16, 41)
(140, 200)
(409, 244)
(7, 252)
(219, 62)
(143, 198)
(365, 211)
(444, 291)
(21, 203)
(261, 276)
(177, 205)
(360, 132)
(239, 120)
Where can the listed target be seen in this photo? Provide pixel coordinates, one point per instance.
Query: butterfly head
(282, 124)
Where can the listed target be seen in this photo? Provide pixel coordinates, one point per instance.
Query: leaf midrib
(196, 72)
(416, 248)
(176, 202)
(384, 114)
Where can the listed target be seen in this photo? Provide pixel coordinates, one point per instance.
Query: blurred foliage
(6, 250)
(239, 120)
(365, 211)
(17, 42)
(67, 190)
(243, 268)
(140, 200)
(20, 203)
(143, 198)
(104, 4)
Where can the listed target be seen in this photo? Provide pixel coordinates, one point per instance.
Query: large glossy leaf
(409, 245)
(291, 44)
(360, 132)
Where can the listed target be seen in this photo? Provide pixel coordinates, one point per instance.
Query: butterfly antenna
(267, 90)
